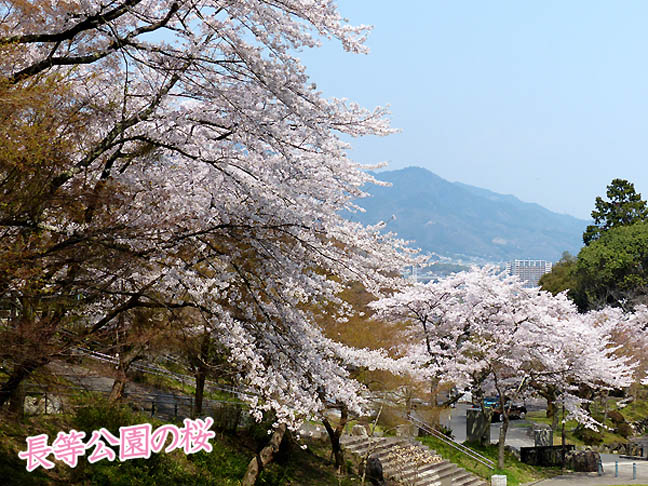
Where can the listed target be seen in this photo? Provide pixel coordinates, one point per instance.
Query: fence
(227, 415)
(456, 445)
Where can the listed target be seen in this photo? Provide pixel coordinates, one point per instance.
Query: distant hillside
(466, 222)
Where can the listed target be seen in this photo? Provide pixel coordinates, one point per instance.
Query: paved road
(607, 478)
(517, 436)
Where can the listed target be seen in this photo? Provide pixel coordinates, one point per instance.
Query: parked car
(515, 410)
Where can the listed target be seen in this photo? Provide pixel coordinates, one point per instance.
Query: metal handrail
(159, 397)
(159, 371)
(447, 440)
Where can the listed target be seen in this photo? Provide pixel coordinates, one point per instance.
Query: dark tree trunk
(484, 430)
(126, 359)
(554, 420)
(553, 411)
(199, 364)
(17, 402)
(20, 373)
(119, 385)
(200, 391)
(334, 436)
(263, 458)
(551, 407)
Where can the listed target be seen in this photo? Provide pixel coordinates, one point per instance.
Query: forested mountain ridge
(466, 222)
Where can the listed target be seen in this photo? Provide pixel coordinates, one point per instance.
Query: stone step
(374, 447)
(386, 455)
(357, 445)
(411, 472)
(389, 457)
(446, 476)
(380, 445)
(415, 455)
(469, 479)
(475, 481)
(430, 470)
(424, 474)
(453, 475)
(356, 439)
(432, 477)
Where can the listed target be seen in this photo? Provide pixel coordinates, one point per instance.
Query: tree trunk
(200, 391)
(552, 410)
(334, 435)
(263, 458)
(20, 373)
(554, 421)
(126, 358)
(562, 437)
(483, 432)
(551, 407)
(17, 402)
(200, 373)
(117, 391)
(502, 440)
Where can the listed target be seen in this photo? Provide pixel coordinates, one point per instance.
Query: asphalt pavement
(519, 432)
(616, 470)
(621, 474)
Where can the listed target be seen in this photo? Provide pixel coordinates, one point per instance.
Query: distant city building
(528, 271)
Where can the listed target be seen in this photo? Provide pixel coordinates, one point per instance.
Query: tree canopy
(623, 207)
(609, 269)
(613, 270)
(193, 164)
(485, 330)
(563, 278)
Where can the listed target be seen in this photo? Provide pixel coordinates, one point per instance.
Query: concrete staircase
(408, 463)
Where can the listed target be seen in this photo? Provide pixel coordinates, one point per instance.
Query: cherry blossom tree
(629, 332)
(208, 174)
(485, 330)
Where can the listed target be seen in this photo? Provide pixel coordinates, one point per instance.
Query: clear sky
(545, 100)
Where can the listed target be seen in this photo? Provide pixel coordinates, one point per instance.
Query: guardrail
(152, 369)
(447, 440)
(159, 404)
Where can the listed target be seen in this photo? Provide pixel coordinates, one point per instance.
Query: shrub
(624, 429)
(616, 417)
(589, 436)
(97, 412)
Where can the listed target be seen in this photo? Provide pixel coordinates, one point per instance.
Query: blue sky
(545, 100)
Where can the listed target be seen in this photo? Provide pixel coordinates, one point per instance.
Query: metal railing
(152, 369)
(43, 400)
(452, 443)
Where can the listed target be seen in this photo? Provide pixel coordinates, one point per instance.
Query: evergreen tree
(624, 207)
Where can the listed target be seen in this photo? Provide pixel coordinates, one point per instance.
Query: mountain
(465, 222)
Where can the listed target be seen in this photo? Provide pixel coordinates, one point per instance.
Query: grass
(540, 417)
(635, 411)
(163, 382)
(607, 435)
(516, 472)
(224, 466)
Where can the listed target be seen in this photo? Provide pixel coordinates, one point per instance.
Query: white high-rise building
(529, 271)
